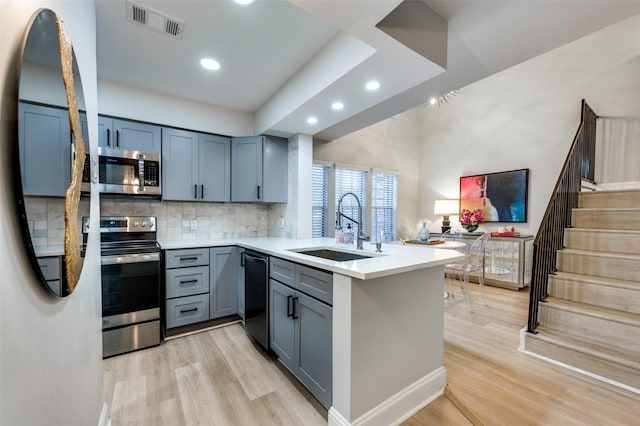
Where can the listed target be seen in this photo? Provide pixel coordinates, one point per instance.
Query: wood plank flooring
(219, 377)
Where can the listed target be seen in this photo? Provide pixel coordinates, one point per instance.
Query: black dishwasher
(256, 296)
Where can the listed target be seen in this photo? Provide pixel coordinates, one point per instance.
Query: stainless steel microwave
(126, 172)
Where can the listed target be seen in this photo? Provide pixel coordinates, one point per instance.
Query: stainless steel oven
(130, 270)
(126, 172)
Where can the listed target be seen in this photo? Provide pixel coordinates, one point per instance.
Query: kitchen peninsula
(387, 324)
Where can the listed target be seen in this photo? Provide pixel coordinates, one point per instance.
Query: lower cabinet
(51, 267)
(200, 284)
(300, 334)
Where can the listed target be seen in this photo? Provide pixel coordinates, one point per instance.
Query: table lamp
(446, 208)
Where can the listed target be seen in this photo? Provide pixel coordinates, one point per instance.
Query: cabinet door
(281, 323)
(222, 282)
(240, 277)
(106, 135)
(179, 165)
(45, 150)
(275, 170)
(214, 166)
(246, 169)
(133, 136)
(313, 356)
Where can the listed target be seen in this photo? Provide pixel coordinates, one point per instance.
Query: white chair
(473, 262)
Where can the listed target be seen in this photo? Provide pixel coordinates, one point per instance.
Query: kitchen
(83, 306)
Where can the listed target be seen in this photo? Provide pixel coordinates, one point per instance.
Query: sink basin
(338, 256)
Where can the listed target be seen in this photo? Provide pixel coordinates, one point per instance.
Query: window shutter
(384, 205)
(320, 200)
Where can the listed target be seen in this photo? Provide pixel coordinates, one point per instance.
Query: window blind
(384, 206)
(320, 200)
(355, 181)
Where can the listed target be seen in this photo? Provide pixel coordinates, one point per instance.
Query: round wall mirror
(51, 149)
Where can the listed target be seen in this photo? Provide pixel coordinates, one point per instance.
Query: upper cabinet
(128, 135)
(196, 166)
(45, 150)
(259, 169)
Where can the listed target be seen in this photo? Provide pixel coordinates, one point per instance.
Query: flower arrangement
(470, 220)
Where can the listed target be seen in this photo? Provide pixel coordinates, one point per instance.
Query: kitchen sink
(338, 256)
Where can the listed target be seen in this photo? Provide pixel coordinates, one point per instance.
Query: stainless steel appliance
(256, 296)
(130, 265)
(126, 172)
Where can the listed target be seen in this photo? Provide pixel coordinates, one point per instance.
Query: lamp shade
(446, 207)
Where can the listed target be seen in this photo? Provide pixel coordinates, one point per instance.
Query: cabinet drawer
(187, 310)
(283, 271)
(318, 284)
(187, 281)
(187, 257)
(50, 267)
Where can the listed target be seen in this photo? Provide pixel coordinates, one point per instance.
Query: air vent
(154, 20)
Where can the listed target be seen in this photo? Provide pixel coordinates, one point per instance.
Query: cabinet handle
(289, 306)
(184, 311)
(108, 137)
(294, 314)
(258, 192)
(242, 260)
(202, 191)
(188, 282)
(117, 138)
(184, 259)
(195, 191)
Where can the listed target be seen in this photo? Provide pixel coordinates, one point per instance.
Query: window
(377, 191)
(354, 181)
(384, 205)
(320, 200)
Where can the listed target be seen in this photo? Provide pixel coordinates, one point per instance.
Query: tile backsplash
(177, 221)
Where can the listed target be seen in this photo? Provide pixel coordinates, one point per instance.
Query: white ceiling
(283, 61)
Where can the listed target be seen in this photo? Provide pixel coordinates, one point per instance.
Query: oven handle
(130, 258)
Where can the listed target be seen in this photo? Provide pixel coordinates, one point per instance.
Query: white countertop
(45, 251)
(394, 259)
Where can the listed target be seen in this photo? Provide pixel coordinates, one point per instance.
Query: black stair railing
(578, 166)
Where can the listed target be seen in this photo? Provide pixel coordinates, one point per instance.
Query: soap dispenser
(339, 234)
(348, 235)
(423, 234)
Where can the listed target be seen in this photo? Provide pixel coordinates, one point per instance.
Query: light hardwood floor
(220, 377)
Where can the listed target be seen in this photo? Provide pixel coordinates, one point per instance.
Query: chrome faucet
(361, 235)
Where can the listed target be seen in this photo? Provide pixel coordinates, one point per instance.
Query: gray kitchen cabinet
(240, 277)
(259, 169)
(51, 267)
(196, 166)
(128, 135)
(223, 281)
(44, 149)
(187, 283)
(300, 326)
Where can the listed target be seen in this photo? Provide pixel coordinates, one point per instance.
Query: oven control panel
(111, 224)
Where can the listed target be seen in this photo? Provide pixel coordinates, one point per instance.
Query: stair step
(611, 240)
(621, 295)
(620, 365)
(617, 198)
(601, 325)
(623, 266)
(606, 218)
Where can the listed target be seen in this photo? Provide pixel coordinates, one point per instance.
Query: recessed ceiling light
(372, 85)
(312, 120)
(337, 106)
(244, 2)
(433, 101)
(210, 64)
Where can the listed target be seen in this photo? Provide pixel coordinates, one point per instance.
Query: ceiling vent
(154, 20)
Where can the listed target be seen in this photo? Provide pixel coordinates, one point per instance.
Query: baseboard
(105, 419)
(612, 186)
(398, 407)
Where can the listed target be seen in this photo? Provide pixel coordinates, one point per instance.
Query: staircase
(591, 318)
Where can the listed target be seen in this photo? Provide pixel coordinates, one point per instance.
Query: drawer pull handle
(185, 259)
(184, 311)
(189, 282)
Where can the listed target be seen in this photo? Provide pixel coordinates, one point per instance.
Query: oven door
(130, 289)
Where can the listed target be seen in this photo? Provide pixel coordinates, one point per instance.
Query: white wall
(50, 349)
(145, 105)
